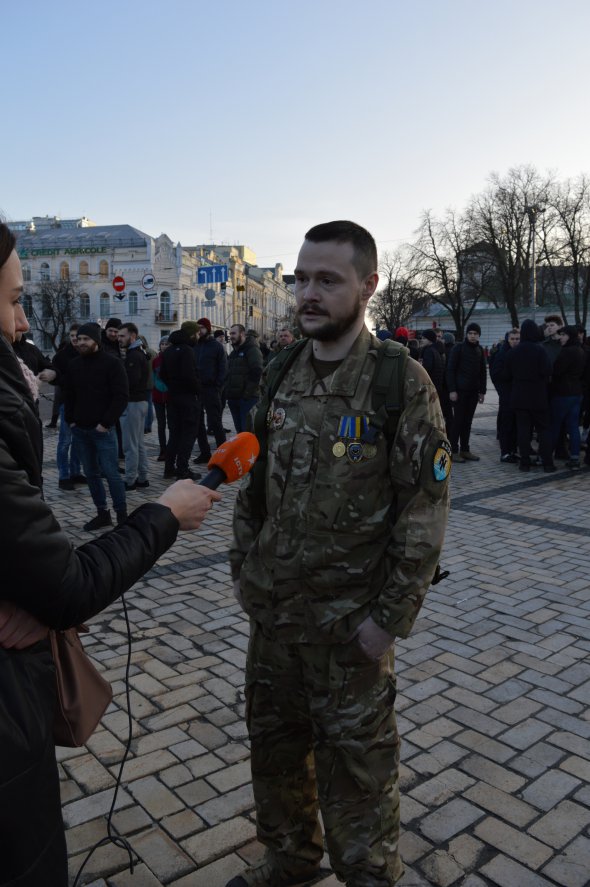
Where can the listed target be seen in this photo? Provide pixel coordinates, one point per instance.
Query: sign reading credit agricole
(76, 251)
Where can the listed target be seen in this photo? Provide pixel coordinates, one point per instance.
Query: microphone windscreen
(236, 456)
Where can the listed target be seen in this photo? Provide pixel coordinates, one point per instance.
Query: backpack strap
(388, 389)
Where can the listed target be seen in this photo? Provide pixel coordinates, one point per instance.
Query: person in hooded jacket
(46, 582)
(528, 369)
(566, 392)
(466, 381)
(178, 371)
(432, 360)
(506, 422)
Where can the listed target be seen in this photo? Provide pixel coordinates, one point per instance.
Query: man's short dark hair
(365, 249)
(130, 327)
(74, 326)
(554, 318)
(239, 327)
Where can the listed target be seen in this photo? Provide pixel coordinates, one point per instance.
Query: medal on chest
(275, 418)
(354, 440)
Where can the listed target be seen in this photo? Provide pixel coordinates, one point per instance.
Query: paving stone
(229, 805)
(440, 868)
(219, 839)
(158, 800)
(507, 872)
(548, 789)
(456, 816)
(162, 855)
(571, 867)
(501, 803)
(561, 824)
(489, 772)
(515, 843)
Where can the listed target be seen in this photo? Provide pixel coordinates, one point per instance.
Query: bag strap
(388, 388)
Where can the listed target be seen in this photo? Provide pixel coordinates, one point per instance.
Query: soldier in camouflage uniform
(336, 571)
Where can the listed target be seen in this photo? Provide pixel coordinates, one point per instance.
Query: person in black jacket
(96, 395)
(528, 369)
(178, 371)
(245, 367)
(134, 416)
(211, 361)
(566, 392)
(68, 460)
(46, 582)
(506, 421)
(466, 381)
(432, 360)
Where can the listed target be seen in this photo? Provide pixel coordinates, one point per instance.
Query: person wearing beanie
(383, 335)
(178, 372)
(211, 361)
(466, 381)
(96, 393)
(110, 341)
(551, 341)
(191, 328)
(527, 368)
(432, 360)
(401, 335)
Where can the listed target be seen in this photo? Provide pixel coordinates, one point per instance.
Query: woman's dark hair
(7, 243)
(572, 334)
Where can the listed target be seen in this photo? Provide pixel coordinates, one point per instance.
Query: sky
(254, 121)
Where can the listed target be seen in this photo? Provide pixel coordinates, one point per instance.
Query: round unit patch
(441, 464)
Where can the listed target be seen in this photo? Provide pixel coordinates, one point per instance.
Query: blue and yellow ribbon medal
(441, 464)
(352, 442)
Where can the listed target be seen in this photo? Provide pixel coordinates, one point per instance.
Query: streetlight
(532, 212)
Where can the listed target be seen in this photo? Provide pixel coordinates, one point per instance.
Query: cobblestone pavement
(494, 686)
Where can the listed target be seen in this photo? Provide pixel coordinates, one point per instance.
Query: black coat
(211, 361)
(62, 587)
(466, 368)
(568, 369)
(245, 367)
(434, 364)
(178, 369)
(96, 390)
(528, 369)
(498, 372)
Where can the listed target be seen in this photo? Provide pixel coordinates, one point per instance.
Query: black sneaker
(121, 517)
(549, 469)
(169, 472)
(573, 464)
(79, 479)
(102, 519)
(130, 487)
(188, 475)
(67, 484)
(509, 457)
(142, 484)
(202, 460)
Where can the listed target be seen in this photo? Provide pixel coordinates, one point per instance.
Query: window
(165, 307)
(44, 271)
(26, 273)
(105, 305)
(64, 271)
(132, 302)
(83, 269)
(27, 305)
(103, 268)
(84, 306)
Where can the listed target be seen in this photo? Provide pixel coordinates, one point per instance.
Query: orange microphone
(232, 460)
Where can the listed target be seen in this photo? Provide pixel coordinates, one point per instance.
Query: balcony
(166, 317)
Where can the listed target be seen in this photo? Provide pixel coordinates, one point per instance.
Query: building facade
(75, 270)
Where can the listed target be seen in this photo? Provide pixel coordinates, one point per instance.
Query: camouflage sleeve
(420, 464)
(246, 528)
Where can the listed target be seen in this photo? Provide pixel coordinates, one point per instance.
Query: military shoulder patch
(441, 464)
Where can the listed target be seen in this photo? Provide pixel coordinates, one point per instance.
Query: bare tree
(502, 220)
(453, 268)
(55, 304)
(565, 246)
(394, 303)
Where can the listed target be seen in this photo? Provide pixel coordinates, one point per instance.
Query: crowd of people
(109, 385)
(541, 374)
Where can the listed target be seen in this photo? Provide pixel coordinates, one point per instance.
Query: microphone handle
(213, 479)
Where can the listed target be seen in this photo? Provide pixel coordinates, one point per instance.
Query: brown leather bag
(83, 695)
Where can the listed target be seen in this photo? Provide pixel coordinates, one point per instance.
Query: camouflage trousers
(323, 735)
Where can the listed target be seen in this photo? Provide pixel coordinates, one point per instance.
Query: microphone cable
(111, 837)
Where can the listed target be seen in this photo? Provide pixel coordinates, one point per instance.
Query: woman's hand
(189, 503)
(18, 629)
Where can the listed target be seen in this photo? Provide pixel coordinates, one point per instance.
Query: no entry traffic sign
(119, 284)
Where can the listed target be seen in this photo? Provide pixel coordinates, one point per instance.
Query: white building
(119, 271)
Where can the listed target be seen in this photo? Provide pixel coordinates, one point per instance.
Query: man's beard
(331, 330)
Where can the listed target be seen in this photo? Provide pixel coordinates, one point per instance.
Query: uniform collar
(345, 380)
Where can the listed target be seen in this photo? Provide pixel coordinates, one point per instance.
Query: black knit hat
(92, 330)
(430, 335)
(473, 328)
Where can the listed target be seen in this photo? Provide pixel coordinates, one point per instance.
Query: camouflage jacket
(344, 538)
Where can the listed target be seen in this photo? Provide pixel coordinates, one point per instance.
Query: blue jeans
(567, 409)
(132, 428)
(98, 453)
(68, 463)
(239, 409)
